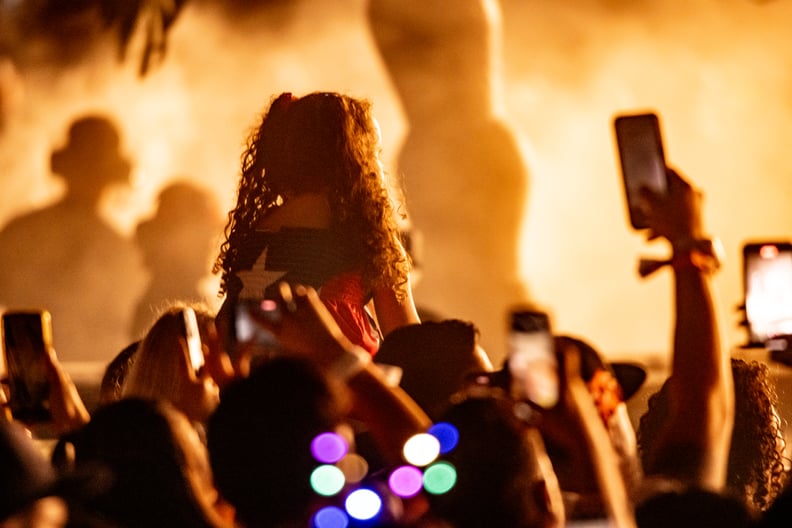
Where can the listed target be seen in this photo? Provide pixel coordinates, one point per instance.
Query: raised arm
(307, 329)
(694, 444)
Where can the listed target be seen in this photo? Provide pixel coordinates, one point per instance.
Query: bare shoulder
(303, 210)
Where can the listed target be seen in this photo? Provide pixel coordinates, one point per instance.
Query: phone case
(193, 338)
(26, 338)
(642, 160)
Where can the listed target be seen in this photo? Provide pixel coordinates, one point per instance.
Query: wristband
(351, 363)
(705, 255)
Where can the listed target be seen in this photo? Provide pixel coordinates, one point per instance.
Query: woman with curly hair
(313, 208)
(756, 456)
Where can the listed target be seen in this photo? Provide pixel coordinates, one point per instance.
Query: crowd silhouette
(314, 395)
(200, 423)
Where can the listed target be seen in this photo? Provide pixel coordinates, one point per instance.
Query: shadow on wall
(66, 259)
(178, 244)
(465, 178)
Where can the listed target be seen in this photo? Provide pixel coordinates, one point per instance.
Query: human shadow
(178, 244)
(67, 259)
(466, 181)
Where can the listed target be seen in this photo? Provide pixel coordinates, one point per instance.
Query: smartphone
(26, 338)
(532, 363)
(642, 160)
(767, 284)
(246, 331)
(193, 337)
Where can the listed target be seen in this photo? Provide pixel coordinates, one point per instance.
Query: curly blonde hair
(321, 142)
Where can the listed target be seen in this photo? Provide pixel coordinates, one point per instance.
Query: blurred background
(496, 122)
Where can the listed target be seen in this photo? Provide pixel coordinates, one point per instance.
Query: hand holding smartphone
(247, 329)
(248, 337)
(27, 338)
(642, 160)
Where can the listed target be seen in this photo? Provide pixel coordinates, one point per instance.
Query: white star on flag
(258, 278)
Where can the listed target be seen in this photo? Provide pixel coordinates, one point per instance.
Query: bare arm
(575, 424)
(309, 330)
(694, 446)
(391, 312)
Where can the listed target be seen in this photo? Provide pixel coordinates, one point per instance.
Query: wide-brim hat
(630, 375)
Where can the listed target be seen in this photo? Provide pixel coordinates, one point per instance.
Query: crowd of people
(280, 409)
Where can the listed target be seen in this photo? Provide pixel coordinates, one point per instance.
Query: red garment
(344, 297)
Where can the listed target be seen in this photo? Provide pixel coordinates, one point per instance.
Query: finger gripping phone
(27, 336)
(767, 284)
(532, 363)
(642, 160)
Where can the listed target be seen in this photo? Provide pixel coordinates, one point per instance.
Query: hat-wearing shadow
(66, 258)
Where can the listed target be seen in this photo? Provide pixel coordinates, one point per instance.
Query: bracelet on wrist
(350, 364)
(705, 255)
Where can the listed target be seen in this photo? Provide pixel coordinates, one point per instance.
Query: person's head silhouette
(92, 158)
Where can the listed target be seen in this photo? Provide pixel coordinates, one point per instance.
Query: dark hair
(436, 358)
(495, 467)
(756, 460)
(115, 373)
(259, 439)
(692, 508)
(157, 472)
(322, 142)
(26, 475)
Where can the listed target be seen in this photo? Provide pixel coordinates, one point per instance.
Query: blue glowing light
(330, 517)
(446, 434)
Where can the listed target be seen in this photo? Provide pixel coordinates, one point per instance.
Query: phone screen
(246, 328)
(193, 337)
(26, 338)
(642, 160)
(531, 359)
(768, 290)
